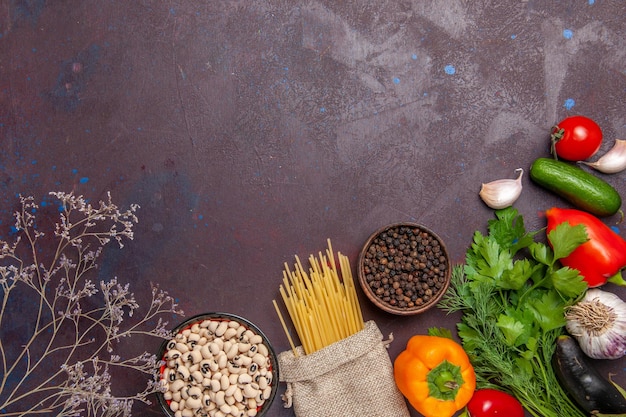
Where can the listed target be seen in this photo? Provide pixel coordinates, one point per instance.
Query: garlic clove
(613, 161)
(502, 193)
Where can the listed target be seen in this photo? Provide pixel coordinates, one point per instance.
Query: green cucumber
(582, 189)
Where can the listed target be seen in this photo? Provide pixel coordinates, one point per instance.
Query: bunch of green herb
(512, 292)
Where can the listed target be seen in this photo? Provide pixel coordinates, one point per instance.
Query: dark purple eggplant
(592, 392)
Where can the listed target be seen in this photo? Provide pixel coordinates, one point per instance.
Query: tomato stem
(555, 136)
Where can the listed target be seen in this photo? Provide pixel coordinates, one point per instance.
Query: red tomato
(494, 403)
(576, 138)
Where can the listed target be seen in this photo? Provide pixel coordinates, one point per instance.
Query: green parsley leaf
(511, 328)
(565, 238)
(568, 282)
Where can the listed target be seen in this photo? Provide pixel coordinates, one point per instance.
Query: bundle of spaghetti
(322, 303)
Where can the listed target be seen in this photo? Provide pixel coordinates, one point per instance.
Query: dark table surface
(251, 131)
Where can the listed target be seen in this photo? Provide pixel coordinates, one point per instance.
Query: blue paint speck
(74, 171)
(322, 109)
(569, 103)
(513, 36)
(449, 69)
(396, 80)
(414, 56)
(84, 180)
(34, 162)
(591, 1)
(568, 34)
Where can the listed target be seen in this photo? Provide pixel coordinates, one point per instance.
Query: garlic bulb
(502, 193)
(598, 322)
(613, 161)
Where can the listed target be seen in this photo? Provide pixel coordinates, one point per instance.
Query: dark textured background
(251, 131)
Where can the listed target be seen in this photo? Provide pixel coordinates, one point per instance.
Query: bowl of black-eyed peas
(217, 365)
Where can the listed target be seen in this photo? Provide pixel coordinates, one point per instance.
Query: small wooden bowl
(401, 275)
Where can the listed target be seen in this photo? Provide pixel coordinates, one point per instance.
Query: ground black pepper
(405, 266)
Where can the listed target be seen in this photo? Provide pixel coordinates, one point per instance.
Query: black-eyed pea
(222, 360)
(195, 328)
(251, 404)
(230, 333)
(219, 413)
(186, 333)
(214, 348)
(167, 395)
(168, 375)
(221, 328)
(174, 405)
(232, 351)
(250, 391)
(231, 401)
(262, 382)
(216, 375)
(240, 331)
(197, 377)
(173, 354)
(206, 401)
(182, 347)
(205, 366)
(177, 385)
(252, 413)
(206, 383)
(253, 350)
(176, 396)
(171, 344)
(215, 385)
(225, 408)
(205, 323)
(220, 398)
(243, 347)
(213, 325)
(184, 393)
(224, 382)
(267, 392)
(238, 395)
(256, 339)
(233, 368)
(193, 403)
(263, 349)
(260, 360)
(183, 373)
(230, 391)
(244, 379)
(253, 368)
(205, 351)
(196, 356)
(180, 337)
(187, 412)
(232, 378)
(203, 339)
(194, 336)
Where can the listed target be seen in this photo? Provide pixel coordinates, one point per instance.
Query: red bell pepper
(602, 257)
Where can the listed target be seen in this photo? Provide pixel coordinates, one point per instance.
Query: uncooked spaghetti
(322, 303)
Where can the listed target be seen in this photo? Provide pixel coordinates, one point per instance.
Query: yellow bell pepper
(435, 375)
